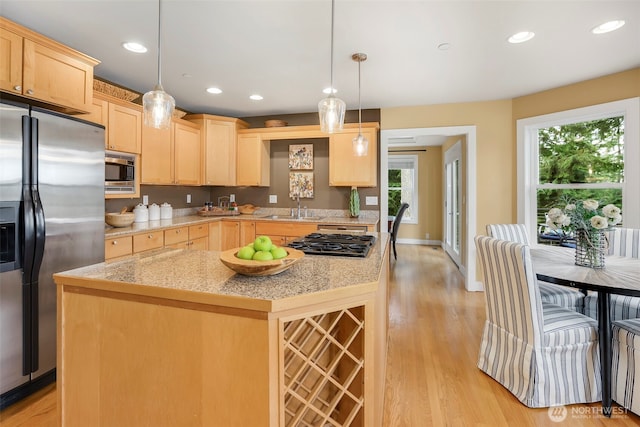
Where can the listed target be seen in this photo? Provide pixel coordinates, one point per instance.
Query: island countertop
(200, 277)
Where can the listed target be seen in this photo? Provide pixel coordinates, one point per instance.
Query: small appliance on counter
(154, 212)
(166, 211)
(141, 213)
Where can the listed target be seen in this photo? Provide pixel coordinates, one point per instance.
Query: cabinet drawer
(278, 228)
(198, 231)
(147, 241)
(201, 244)
(117, 246)
(176, 235)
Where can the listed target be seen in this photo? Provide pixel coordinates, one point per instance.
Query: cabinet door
(252, 166)
(215, 236)
(125, 128)
(11, 64)
(56, 78)
(346, 169)
(247, 232)
(157, 156)
(201, 244)
(186, 146)
(229, 235)
(147, 241)
(98, 113)
(219, 153)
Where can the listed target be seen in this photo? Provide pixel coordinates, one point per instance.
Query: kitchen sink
(293, 218)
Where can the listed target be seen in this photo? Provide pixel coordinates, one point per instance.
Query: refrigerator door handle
(28, 247)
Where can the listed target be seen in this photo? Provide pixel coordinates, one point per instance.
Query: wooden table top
(555, 264)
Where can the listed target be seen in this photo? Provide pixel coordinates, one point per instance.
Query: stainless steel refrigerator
(51, 220)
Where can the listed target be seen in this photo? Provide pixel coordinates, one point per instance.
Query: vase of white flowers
(588, 224)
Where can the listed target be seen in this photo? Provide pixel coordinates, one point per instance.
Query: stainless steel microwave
(119, 173)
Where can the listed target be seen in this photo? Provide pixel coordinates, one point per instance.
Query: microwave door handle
(117, 161)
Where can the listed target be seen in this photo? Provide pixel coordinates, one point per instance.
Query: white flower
(570, 207)
(565, 221)
(590, 204)
(554, 214)
(611, 211)
(615, 220)
(599, 222)
(552, 225)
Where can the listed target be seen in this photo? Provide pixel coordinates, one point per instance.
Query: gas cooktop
(352, 245)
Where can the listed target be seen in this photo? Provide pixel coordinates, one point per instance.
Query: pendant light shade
(331, 109)
(157, 104)
(360, 142)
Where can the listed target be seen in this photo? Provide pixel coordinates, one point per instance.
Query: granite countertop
(200, 276)
(138, 227)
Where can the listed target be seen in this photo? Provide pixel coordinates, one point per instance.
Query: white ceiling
(281, 49)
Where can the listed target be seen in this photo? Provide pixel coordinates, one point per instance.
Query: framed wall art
(301, 183)
(301, 156)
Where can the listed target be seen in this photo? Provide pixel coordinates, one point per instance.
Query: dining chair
(625, 361)
(563, 296)
(624, 242)
(544, 354)
(396, 226)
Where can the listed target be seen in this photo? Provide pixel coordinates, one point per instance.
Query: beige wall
(495, 148)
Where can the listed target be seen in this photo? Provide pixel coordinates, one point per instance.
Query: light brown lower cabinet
(116, 247)
(229, 235)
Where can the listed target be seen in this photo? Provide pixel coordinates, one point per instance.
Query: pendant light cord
(331, 90)
(359, 103)
(159, 46)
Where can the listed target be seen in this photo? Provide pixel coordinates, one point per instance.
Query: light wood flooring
(432, 379)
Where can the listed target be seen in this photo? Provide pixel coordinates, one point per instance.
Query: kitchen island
(173, 337)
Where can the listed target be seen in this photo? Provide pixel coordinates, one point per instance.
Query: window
(590, 152)
(403, 186)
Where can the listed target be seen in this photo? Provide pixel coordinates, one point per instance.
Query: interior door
(452, 202)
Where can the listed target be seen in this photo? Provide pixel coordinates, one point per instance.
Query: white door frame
(452, 154)
(468, 271)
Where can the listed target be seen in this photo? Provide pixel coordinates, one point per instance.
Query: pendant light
(331, 109)
(360, 143)
(157, 104)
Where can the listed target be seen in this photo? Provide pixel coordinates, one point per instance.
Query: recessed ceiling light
(186, 75)
(255, 97)
(607, 27)
(214, 90)
(444, 46)
(134, 47)
(521, 37)
(327, 90)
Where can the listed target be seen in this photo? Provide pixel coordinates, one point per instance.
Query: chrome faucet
(298, 201)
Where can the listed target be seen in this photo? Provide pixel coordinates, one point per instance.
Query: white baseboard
(419, 242)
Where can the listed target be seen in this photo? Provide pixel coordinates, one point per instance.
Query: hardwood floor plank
(432, 379)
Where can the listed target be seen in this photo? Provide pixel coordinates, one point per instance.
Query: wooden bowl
(250, 267)
(274, 123)
(247, 209)
(116, 219)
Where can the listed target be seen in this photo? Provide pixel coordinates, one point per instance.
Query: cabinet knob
(17, 88)
(150, 236)
(30, 91)
(115, 242)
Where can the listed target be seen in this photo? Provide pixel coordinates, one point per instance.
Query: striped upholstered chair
(527, 345)
(624, 242)
(625, 371)
(561, 295)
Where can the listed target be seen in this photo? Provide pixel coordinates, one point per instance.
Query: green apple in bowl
(262, 243)
(279, 252)
(262, 256)
(246, 252)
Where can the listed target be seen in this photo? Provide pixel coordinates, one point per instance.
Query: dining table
(621, 275)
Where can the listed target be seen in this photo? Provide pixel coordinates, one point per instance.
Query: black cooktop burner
(352, 245)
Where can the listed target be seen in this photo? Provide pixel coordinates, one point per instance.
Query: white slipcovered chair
(624, 242)
(556, 294)
(544, 354)
(625, 387)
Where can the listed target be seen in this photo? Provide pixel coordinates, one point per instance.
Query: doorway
(467, 226)
(452, 202)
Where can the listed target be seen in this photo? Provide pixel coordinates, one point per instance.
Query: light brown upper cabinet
(122, 121)
(44, 70)
(218, 147)
(171, 156)
(252, 165)
(347, 169)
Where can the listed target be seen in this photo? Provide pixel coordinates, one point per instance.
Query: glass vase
(590, 248)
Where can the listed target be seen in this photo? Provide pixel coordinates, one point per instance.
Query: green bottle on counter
(354, 203)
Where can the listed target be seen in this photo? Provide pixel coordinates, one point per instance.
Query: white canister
(154, 212)
(140, 213)
(166, 211)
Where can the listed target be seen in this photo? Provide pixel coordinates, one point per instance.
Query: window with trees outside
(577, 157)
(403, 186)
